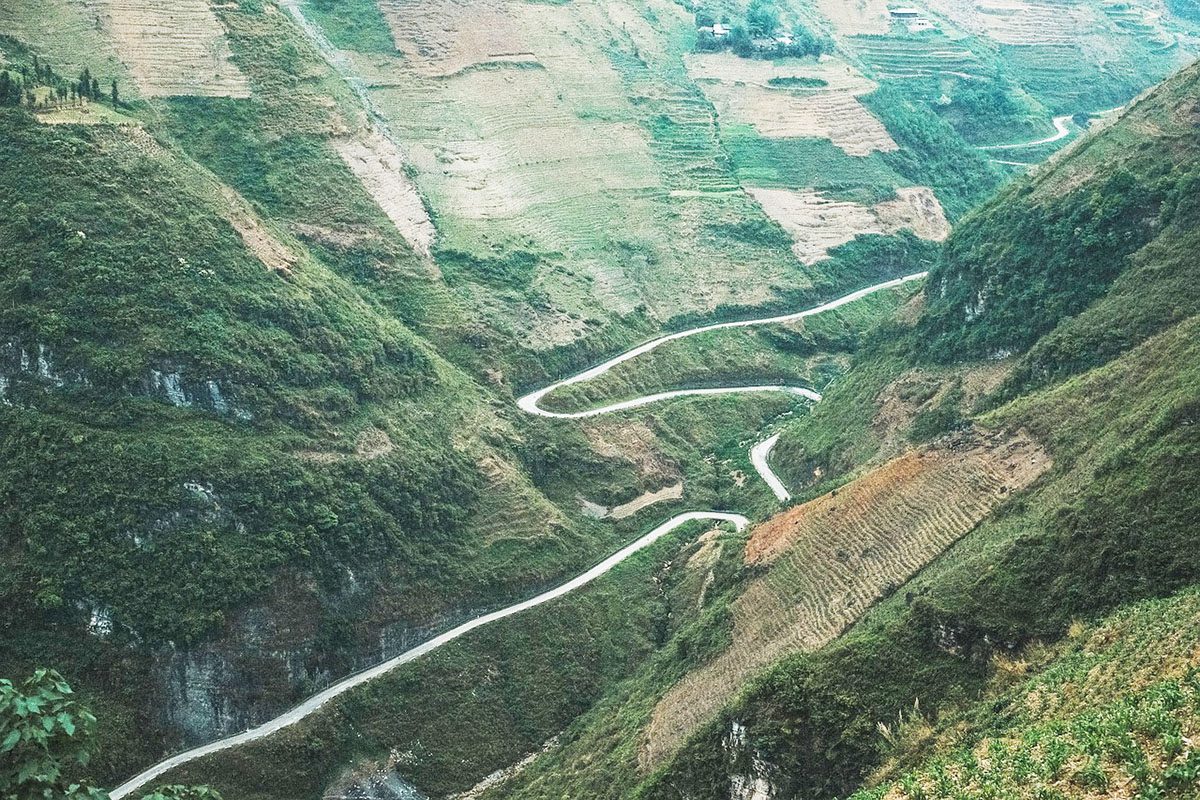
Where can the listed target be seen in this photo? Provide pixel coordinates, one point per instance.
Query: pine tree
(116, 100)
(95, 89)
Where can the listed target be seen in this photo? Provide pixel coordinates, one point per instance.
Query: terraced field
(569, 138)
(827, 561)
(742, 92)
(172, 49)
(69, 31)
(819, 223)
(1029, 22)
(905, 57)
(851, 17)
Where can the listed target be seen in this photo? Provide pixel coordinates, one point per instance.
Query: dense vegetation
(234, 400)
(1111, 524)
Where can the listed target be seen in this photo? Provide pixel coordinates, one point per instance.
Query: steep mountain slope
(262, 322)
(251, 433)
(1110, 523)
(1098, 513)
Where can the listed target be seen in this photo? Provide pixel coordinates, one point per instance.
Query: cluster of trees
(44, 736)
(761, 34)
(20, 87)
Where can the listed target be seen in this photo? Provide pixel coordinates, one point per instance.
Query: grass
(1135, 216)
(804, 163)
(799, 353)
(355, 25)
(1110, 710)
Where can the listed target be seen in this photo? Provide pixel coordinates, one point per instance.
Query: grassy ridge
(993, 288)
(1111, 709)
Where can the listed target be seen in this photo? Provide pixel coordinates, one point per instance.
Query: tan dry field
(379, 165)
(850, 17)
(740, 91)
(512, 113)
(171, 49)
(259, 240)
(1023, 22)
(818, 223)
(827, 561)
(524, 136)
(624, 510)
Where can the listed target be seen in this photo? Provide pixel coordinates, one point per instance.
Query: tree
(115, 98)
(761, 18)
(43, 731)
(10, 90)
(740, 42)
(95, 95)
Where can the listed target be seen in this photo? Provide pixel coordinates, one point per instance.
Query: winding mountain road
(529, 403)
(758, 457)
(1061, 131)
(341, 687)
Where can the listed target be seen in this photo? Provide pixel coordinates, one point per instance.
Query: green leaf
(10, 741)
(68, 724)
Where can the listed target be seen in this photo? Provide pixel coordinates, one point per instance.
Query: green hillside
(276, 272)
(1110, 524)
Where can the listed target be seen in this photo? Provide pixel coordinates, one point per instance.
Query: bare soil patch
(176, 48)
(829, 560)
(644, 500)
(274, 254)
(850, 17)
(818, 223)
(379, 165)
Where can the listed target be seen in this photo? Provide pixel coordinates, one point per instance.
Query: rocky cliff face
(751, 777)
(266, 663)
(29, 368)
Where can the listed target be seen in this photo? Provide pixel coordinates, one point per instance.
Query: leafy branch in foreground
(43, 733)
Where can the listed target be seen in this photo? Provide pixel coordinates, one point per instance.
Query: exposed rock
(749, 773)
(172, 384)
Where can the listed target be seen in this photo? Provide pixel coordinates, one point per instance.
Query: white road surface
(758, 457)
(529, 403)
(1061, 131)
(341, 687)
